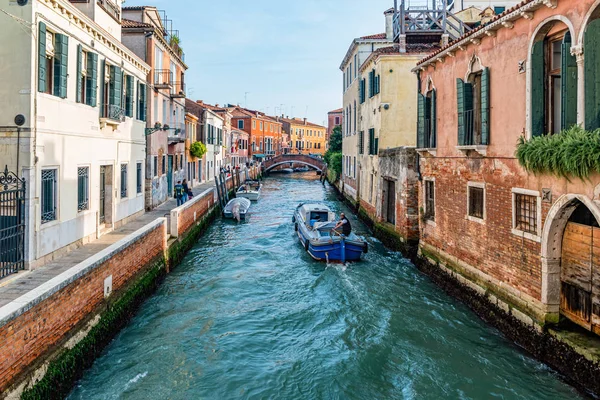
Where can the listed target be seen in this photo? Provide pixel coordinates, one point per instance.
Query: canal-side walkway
(19, 284)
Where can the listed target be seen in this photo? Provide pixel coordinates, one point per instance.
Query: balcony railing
(163, 79)
(178, 90)
(111, 8)
(113, 113)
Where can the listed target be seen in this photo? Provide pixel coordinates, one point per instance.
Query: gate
(102, 215)
(12, 223)
(580, 275)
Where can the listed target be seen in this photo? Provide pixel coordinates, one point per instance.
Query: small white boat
(314, 223)
(237, 208)
(301, 169)
(250, 190)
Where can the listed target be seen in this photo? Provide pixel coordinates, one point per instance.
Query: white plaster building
(82, 94)
(213, 132)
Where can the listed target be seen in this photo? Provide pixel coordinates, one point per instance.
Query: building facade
(265, 132)
(334, 118)
(81, 150)
(304, 136)
(145, 32)
(531, 72)
(359, 50)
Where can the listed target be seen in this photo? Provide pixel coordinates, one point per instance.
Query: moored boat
(250, 190)
(237, 208)
(314, 223)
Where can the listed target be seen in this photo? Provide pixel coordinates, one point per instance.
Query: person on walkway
(186, 190)
(179, 193)
(344, 223)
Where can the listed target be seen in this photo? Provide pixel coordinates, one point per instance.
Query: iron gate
(102, 194)
(12, 223)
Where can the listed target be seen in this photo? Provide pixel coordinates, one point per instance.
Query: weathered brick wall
(186, 217)
(27, 336)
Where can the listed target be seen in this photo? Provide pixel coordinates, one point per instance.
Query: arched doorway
(580, 269)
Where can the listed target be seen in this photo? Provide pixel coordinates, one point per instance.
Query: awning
(259, 155)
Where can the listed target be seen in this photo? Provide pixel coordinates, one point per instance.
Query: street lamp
(159, 127)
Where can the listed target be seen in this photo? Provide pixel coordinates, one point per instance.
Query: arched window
(553, 81)
(591, 48)
(473, 99)
(427, 113)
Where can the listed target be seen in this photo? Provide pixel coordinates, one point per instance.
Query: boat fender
(366, 248)
(294, 218)
(306, 243)
(296, 227)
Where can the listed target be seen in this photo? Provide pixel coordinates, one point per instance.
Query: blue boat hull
(332, 252)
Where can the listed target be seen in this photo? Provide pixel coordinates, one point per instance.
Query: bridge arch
(310, 161)
(270, 167)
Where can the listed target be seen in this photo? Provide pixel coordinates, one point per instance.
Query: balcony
(111, 8)
(175, 134)
(178, 90)
(111, 115)
(472, 140)
(163, 79)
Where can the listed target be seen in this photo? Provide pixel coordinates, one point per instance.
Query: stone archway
(552, 248)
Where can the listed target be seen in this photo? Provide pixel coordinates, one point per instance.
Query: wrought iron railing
(12, 223)
(163, 78)
(111, 8)
(178, 89)
(113, 112)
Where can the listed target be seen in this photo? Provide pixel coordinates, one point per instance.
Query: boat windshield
(317, 217)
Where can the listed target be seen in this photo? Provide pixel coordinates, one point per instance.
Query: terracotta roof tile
(127, 23)
(339, 110)
(376, 36)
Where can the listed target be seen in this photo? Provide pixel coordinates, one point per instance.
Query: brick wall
(182, 218)
(44, 319)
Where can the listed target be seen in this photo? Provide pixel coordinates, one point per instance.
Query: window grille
(476, 202)
(123, 181)
(48, 195)
(430, 200)
(139, 178)
(526, 213)
(83, 187)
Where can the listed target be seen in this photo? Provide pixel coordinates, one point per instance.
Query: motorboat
(237, 208)
(315, 223)
(250, 190)
(301, 169)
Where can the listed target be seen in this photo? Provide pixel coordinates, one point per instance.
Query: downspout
(419, 176)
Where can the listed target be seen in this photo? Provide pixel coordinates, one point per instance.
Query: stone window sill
(431, 222)
(475, 219)
(431, 151)
(480, 149)
(526, 235)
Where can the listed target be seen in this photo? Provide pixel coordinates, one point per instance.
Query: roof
(300, 121)
(339, 110)
(127, 23)
(134, 8)
(494, 22)
(411, 49)
(240, 112)
(375, 36)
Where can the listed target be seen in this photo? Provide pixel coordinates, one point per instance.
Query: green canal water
(249, 315)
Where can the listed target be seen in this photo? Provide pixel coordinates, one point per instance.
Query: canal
(249, 315)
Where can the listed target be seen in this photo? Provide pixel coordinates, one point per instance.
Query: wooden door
(580, 275)
(391, 202)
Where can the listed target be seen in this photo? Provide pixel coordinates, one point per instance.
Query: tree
(335, 140)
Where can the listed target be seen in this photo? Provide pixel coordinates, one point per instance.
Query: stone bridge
(310, 161)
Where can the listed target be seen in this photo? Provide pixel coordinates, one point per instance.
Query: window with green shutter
(61, 62)
(91, 85)
(141, 105)
(431, 138)
(484, 137)
(42, 59)
(569, 84)
(129, 96)
(80, 90)
(538, 92)
(115, 96)
(361, 142)
(373, 142)
(420, 121)
(591, 48)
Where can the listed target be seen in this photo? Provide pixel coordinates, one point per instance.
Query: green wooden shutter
(61, 63)
(485, 107)
(421, 121)
(360, 91)
(591, 45)
(129, 96)
(433, 139)
(138, 110)
(103, 94)
(460, 101)
(378, 80)
(538, 103)
(116, 87)
(42, 73)
(91, 90)
(79, 73)
(376, 146)
(144, 105)
(569, 85)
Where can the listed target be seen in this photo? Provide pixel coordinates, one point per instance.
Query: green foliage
(573, 152)
(198, 149)
(334, 162)
(69, 366)
(335, 140)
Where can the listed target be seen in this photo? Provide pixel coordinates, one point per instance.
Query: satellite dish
(22, 2)
(20, 119)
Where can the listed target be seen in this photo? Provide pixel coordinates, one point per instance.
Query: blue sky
(280, 51)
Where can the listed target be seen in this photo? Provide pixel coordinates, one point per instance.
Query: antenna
(306, 113)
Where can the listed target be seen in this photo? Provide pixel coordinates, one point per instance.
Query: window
(476, 201)
(362, 87)
(82, 70)
(155, 166)
(253, 124)
(123, 181)
(83, 188)
(53, 61)
(49, 195)
(261, 126)
(337, 121)
(128, 96)
(164, 164)
(158, 74)
(138, 178)
(354, 168)
(181, 161)
(373, 142)
(430, 200)
(142, 102)
(240, 124)
(473, 99)
(427, 121)
(526, 213)
(499, 10)
(361, 142)
(112, 92)
(553, 85)
(271, 127)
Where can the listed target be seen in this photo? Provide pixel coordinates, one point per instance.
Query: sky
(273, 54)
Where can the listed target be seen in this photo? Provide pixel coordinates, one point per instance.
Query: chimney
(389, 24)
(304, 121)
